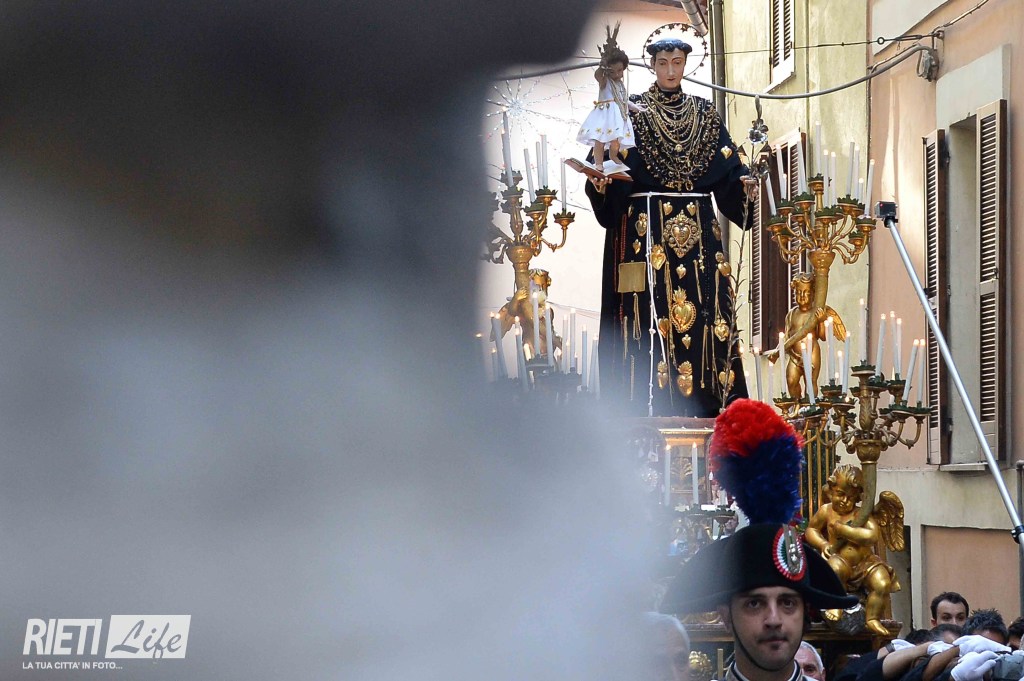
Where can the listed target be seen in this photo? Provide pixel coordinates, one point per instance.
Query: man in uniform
(763, 581)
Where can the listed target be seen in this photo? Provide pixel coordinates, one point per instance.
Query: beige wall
(980, 56)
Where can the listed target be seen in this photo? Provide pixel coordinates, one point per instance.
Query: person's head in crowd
(1016, 631)
(810, 662)
(947, 632)
(949, 607)
(988, 623)
(670, 648)
(917, 636)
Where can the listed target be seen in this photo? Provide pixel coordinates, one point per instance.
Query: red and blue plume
(757, 458)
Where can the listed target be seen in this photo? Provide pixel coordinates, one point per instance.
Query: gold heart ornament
(663, 326)
(684, 381)
(681, 271)
(662, 374)
(658, 256)
(682, 312)
(691, 208)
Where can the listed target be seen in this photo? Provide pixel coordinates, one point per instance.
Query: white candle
(782, 361)
(543, 179)
(867, 188)
(535, 303)
(910, 371)
(892, 335)
(529, 175)
(693, 468)
(595, 370)
(829, 348)
(540, 165)
(771, 384)
(583, 359)
(818, 163)
(856, 169)
(521, 361)
(572, 338)
(499, 345)
(801, 170)
(506, 149)
(805, 351)
(881, 345)
(494, 365)
(920, 374)
(824, 175)
(550, 339)
(667, 456)
(840, 367)
(781, 175)
(835, 178)
(757, 371)
(784, 187)
(860, 189)
(862, 334)
(846, 366)
(561, 165)
(849, 177)
(565, 345)
(897, 358)
(771, 195)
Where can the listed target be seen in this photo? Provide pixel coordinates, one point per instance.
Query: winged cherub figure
(849, 547)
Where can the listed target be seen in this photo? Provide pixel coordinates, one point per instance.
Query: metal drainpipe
(716, 8)
(1020, 544)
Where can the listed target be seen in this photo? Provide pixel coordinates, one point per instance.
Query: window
(966, 293)
(783, 61)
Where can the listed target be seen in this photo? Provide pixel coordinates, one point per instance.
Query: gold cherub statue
(520, 305)
(849, 547)
(805, 318)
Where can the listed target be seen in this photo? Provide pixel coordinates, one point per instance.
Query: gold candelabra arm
(496, 243)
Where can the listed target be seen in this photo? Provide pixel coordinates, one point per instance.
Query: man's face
(950, 613)
(767, 625)
(668, 69)
(1014, 642)
(809, 664)
(670, 657)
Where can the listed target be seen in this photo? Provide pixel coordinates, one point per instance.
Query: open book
(612, 169)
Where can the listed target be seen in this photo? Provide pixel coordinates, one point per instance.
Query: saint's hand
(600, 183)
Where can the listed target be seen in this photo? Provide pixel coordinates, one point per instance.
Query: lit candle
(693, 468)
(849, 177)
(818, 163)
(499, 345)
(572, 338)
(521, 361)
(846, 366)
(529, 175)
(757, 370)
(867, 188)
(668, 476)
(910, 371)
(840, 367)
(494, 365)
(920, 374)
(543, 158)
(862, 334)
(881, 345)
(583, 359)
(535, 303)
(897, 358)
(771, 383)
(562, 166)
(805, 351)
(506, 149)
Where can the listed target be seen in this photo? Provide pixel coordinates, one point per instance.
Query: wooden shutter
(782, 31)
(991, 179)
(937, 288)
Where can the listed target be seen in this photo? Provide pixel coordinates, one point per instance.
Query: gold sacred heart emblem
(636, 246)
(641, 224)
(721, 330)
(691, 208)
(663, 326)
(682, 312)
(687, 340)
(721, 379)
(662, 374)
(658, 256)
(684, 381)
(666, 208)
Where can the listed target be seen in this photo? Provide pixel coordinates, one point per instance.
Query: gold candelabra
(527, 226)
(845, 532)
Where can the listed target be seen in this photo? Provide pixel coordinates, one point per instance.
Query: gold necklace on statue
(677, 136)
